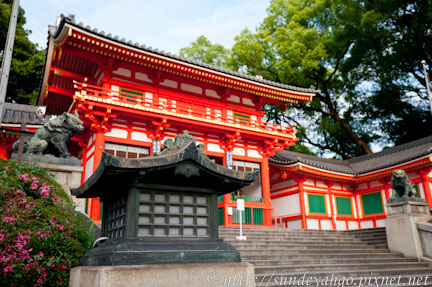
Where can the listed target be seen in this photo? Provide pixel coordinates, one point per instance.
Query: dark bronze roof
(362, 164)
(55, 31)
(19, 113)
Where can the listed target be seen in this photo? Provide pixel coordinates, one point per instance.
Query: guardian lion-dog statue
(51, 138)
(401, 184)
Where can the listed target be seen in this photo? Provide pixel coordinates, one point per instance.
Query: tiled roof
(362, 164)
(55, 31)
(19, 113)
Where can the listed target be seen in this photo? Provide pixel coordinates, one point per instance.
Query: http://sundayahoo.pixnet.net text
(274, 279)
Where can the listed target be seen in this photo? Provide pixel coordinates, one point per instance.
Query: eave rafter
(304, 170)
(100, 47)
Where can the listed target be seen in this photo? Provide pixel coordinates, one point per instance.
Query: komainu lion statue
(401, 184)
(52, 137)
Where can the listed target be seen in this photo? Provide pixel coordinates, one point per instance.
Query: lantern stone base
(192, 275)
(161, 251)
(401, 229)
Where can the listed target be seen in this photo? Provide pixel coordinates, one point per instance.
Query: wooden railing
(181, 107)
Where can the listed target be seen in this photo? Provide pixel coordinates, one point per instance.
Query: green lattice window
(246, 216)
(130, 95)
(317, 203)
(372, 203)
(343, 205)
(221, 216)
(242, 118)
(258, 216)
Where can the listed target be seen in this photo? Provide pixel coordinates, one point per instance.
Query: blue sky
(163, 24)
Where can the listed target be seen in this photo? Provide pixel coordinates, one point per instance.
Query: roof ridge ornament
(180, 141)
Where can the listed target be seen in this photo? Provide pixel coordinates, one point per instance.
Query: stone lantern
(162, 209)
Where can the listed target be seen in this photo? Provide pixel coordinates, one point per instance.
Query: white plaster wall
(234, 98)
(306, 203)
(287, 205)
(359, 206)
(362, 186)
(380, 223)
(138, 136)
(321, 184)
(354, 207)
(326, 224)
(283, 184)
(89, 167)
(142, 77)
(212, 93)
(352, 225)
(239, 151)
(191, 88)
(340, 225)
(327, 200)
(90, 151)
(117, 133)
(336, 186)
(312, 223)
(421, 190)
(383, 197)
(248, 102)
(254, 153)
(169, 83)
(375, 183)
(214, 148)
(366, 224)
(295, 224)
(309, 182)
(123, 72)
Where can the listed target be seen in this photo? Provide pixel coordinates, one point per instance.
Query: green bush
(41, 236)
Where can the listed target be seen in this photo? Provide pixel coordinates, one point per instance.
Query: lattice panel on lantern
(115, 220)
(173, 215)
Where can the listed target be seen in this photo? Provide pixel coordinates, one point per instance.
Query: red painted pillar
(265, 185)
(95, 208)
(426, 186)
(302, 203)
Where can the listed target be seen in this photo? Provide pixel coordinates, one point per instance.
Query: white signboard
(240, 205)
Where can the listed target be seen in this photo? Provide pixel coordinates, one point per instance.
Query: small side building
(310, 192)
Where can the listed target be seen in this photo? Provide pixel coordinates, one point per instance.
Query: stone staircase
(285, 257)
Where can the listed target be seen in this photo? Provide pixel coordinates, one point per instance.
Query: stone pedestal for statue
(67, 172)
(401, 229)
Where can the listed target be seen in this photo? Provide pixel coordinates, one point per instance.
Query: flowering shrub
(41, 236)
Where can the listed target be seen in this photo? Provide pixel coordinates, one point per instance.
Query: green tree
(347, 50)
(399, 37)
(27, 61)
(203, 50)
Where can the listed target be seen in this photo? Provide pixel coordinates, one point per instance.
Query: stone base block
(67, 174)
(169, 275)
(401, 229)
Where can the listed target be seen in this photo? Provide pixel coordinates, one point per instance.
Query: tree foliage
(363, 56)
(27, 61)
(203, 50)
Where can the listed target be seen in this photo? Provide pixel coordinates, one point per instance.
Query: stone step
(345, 266)
(305, 250)
(313, 256)
(269, 261)
(263, 246)
(304, 242)
(302, 238)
